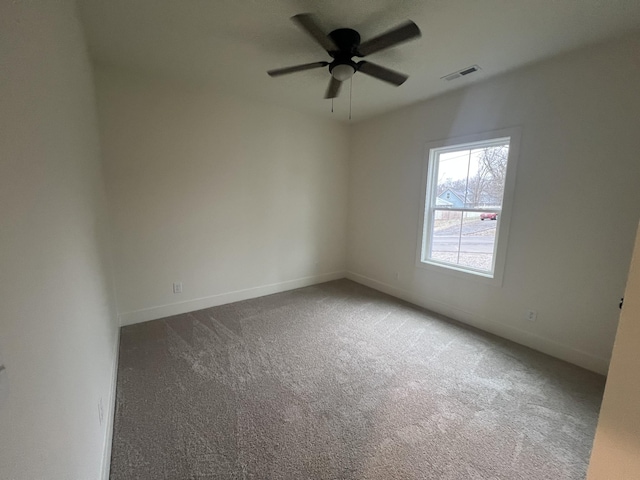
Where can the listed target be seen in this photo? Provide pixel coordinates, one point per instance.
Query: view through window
(465, 191)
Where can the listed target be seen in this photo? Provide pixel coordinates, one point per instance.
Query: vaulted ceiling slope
(230, 44)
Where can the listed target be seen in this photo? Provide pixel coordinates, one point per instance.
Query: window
(467, 194)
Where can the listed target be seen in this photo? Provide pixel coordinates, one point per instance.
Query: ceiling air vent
(461, 73)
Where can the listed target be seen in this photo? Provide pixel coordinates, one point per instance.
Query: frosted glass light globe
(343, 72)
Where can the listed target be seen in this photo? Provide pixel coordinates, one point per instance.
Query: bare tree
(487, 186)
(456, 185)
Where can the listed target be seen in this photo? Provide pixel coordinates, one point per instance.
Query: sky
(455, 165)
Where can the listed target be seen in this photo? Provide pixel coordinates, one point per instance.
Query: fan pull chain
(332, 105)
(350, 90)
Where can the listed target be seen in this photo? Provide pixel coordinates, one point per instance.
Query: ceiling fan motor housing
(347, 40)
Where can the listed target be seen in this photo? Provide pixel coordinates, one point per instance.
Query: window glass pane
(465, 239)
(453, 168)
(487, 172)
(477, 240)
(445, 241)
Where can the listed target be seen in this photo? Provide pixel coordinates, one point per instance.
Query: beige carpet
(338, 381)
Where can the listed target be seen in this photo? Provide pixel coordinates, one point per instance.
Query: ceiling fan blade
(382, 73)
(400, 34)
(307, 22)
(296, 68)
(333, 89)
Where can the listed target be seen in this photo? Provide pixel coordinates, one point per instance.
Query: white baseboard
(531, 340)
(110, 417)
(153, 313)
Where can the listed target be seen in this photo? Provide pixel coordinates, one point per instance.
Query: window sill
(494, 280)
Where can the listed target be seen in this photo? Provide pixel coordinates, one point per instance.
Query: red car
(489, 216)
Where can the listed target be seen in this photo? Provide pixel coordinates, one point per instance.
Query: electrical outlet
(177, 287)
(100, 411)
(531, 315)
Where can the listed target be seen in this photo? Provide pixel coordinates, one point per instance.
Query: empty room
(354, 239)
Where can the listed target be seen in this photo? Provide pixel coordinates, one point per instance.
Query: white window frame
(432, 150)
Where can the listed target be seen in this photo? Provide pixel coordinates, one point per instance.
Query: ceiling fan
(343, 44)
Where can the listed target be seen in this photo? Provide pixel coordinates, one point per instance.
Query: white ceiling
(232, 43)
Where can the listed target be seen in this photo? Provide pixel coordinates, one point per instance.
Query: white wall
(616, 448)
(57, 325)
(234, 199)
(575, 209)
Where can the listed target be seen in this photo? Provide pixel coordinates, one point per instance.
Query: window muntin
(463, 207)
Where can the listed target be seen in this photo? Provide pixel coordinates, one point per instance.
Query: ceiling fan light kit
(342, 71)
(343, 44)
